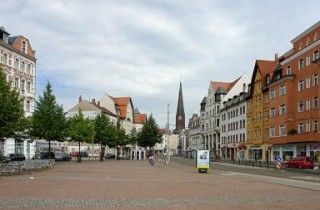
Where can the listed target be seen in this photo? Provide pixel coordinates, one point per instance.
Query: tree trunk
(102, 153)
(49, 149)
(79, 156)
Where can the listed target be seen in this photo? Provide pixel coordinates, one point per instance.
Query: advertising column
(203, 160)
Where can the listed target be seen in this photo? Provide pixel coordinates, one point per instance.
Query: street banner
(203, 159)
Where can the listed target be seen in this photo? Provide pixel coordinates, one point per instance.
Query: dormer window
(308, 41)
(24, 47)
(268, 79)
(301, 46)
(316, 37)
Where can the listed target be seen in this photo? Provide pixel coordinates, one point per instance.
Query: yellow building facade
(258, 112)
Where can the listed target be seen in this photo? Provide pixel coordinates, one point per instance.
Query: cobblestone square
(135, 185)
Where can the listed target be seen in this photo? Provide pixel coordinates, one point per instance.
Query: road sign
(278, 159)
(278, 165)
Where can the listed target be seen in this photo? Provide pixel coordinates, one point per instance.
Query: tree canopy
(105, 133)
(150, 134)
(11, 109)
(80, 129)
(49, 121)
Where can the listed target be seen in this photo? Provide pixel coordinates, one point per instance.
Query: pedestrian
(151, 160)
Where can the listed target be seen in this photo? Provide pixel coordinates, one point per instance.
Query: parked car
(301, 162)
(82, 154)
(14, 157)
(63, 157)
(44, 155)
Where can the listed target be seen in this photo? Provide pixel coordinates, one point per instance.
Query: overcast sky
(143, 49)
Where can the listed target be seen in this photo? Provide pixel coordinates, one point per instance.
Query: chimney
(276, 56)
(94, 101)
(98, 103)
(80, 99)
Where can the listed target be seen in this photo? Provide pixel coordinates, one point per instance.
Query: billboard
(203, 159)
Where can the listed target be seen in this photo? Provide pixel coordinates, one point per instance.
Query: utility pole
(167, 135)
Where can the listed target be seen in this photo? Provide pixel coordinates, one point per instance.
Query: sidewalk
(129, 184)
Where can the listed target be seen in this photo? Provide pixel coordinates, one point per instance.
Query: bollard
(260, 163)
(239, 161)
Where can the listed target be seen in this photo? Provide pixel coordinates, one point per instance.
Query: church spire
(180, 115)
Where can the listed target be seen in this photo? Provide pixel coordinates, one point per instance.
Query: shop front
(242, 150)
(255, 153)
(289, 151)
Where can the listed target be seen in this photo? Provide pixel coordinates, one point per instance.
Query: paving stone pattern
(135, 185)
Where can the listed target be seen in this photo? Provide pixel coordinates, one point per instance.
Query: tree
(49, 121)
(11, 110)
(105, 133)
(121, 138)
(150, 134)
(133, 137)
(80, 130)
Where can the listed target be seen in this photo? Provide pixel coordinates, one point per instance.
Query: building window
(16, 82)
(300, 106)
(315, 80)
(28, 68)
(16, 63)
(272, 132)
(315, 55)
(300, 128)
(5, 58)
(315, 102)
(308, 82)
(308, 60)
(28, 87)
(282, 130)
(301, 85)
(282, 109)
(272, 112)
(288, 70)
(28, 106)
(22, 86)
(24, 47)
(308, 104)
(282, 90)
(273, 94)
(308, 126)
(315, 125)
(301, 64)
(23, 66)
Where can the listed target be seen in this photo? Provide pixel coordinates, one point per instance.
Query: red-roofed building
(258, 110)
(218, 92)
(293, 87)
(18, 63)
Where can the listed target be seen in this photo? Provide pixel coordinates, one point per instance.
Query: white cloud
(142, 48)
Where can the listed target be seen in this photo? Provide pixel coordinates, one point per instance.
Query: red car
(301, 162)
(74, 154)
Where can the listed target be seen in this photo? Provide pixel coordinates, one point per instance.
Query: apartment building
(218, 92)
(116, 108)
(18, 61)
(294, 98)
(233, 127)
(258, 147)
